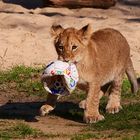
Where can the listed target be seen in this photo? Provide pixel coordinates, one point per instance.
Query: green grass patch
(126, 119)
(135, 137)
(126, 86)
(20, 130)
(127, 93)
(86, 136)
(22, 79)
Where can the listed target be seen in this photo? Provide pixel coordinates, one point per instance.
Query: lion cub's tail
(132, 77)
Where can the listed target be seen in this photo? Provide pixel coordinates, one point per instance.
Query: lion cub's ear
(86, 31)
(56, 30)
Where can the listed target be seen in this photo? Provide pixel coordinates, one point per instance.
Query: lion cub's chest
(86, 74)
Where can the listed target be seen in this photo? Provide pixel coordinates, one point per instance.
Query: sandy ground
(25, 33)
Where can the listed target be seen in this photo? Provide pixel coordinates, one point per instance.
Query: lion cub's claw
(93, 119)
(45, 109)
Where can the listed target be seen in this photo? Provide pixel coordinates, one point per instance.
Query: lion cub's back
(111, 43)
(110, 37)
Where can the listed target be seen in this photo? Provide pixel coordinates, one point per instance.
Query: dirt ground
(25, 39)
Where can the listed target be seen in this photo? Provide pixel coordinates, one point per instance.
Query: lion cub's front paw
(113, 108)
(45, 109)
(82, 104)
(93, 118)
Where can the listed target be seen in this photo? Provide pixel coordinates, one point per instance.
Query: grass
(86, 136)
(124, 125)
(135, 137)
(22, 79)
(20, 130)
(127, 119)
(92, 136)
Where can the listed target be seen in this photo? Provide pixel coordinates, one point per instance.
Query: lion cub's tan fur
(101, 57)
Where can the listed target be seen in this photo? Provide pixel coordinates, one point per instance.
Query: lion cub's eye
(60, 48)
(74, 47)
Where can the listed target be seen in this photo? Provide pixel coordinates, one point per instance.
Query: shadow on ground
(133, 20)
(29, 110)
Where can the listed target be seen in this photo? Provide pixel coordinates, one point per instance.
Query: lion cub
(101, 57)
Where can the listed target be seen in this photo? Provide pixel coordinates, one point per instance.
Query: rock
(80, 3)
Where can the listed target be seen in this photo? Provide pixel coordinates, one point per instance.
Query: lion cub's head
(71, 43)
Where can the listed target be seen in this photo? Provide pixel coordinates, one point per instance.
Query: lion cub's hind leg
(49, 106)
(113, 105)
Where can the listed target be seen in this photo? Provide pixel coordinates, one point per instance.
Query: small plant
(24, 130)
(20, 130)
(126, 86)
(86, 136)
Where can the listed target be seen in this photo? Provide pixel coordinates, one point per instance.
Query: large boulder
(80, 3)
